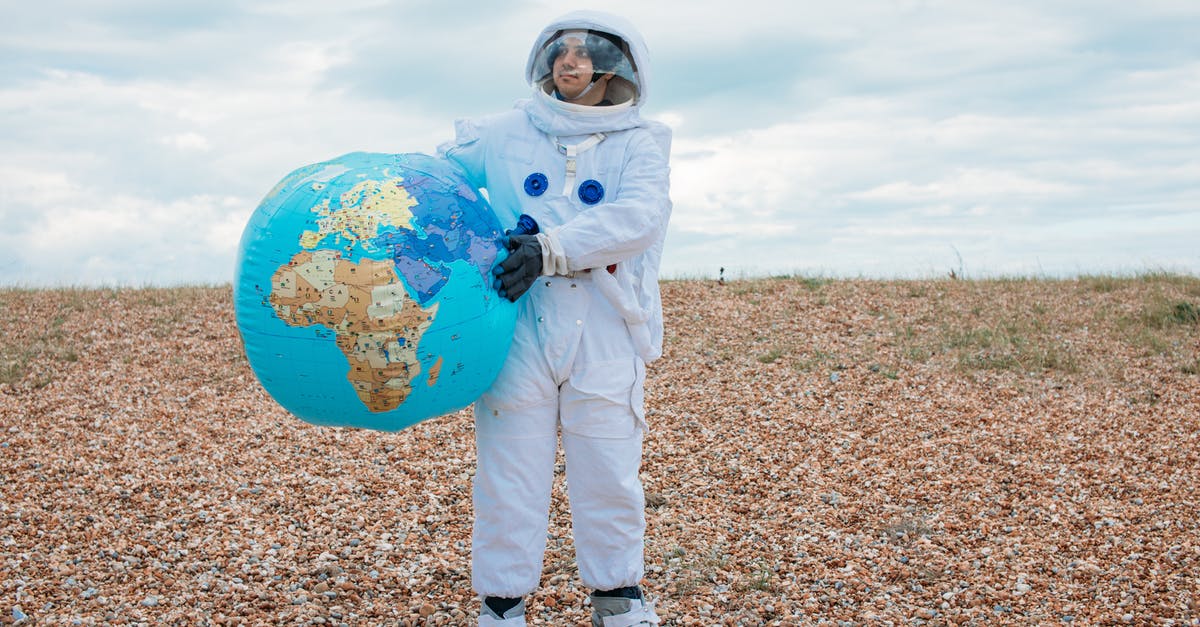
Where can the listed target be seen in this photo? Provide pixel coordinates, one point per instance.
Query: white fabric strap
(554, 260)
(625, 303)
(572, 152)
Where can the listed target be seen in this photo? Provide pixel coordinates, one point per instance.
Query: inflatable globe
(363, 292)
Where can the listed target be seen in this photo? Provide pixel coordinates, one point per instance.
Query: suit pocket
(605, 399)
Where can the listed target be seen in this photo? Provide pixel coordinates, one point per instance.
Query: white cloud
(880, 189)
(79, 235)
(187, 141)
(879, 137)
(965, 186)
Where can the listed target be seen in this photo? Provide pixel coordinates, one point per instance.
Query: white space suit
(596, 180)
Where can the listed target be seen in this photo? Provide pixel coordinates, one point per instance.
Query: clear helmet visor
(571, 63)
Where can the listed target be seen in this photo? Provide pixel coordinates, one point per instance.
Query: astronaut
(578, 158)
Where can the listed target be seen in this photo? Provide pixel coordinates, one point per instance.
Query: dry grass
(852, 452)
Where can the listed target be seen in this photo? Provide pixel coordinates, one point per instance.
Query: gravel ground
(822, 452)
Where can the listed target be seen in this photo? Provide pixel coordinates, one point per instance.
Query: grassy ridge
(33, 350)
(1019, 325)
(1016, 325)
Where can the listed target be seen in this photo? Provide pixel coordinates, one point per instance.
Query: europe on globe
(363, 292)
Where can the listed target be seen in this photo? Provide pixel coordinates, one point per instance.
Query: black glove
(521, 268)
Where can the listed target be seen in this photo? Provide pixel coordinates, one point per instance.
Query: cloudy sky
(901, 138)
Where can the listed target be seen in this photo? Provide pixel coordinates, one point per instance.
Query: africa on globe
(363, 292)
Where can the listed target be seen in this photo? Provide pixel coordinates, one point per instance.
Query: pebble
(251, 509)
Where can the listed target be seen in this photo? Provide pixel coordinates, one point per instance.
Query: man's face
(572, 68)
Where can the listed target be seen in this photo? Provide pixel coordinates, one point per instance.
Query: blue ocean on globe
(363, 292)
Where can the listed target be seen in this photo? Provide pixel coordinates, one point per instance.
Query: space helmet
(583, 57)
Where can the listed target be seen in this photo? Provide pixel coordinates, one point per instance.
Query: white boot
(514, 617)
(620, 612)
